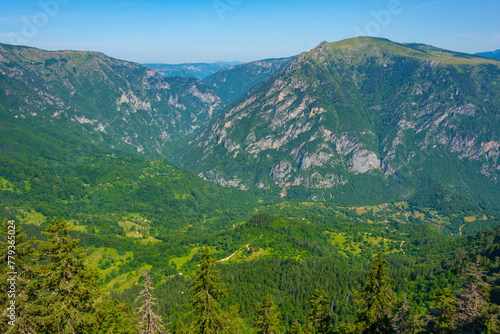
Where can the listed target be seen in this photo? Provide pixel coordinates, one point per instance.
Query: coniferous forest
(57, 293)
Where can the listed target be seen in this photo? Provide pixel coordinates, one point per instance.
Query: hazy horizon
(207, 31)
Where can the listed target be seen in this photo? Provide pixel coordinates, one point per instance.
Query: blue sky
(244, 30)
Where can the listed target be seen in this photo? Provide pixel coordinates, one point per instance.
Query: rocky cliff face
(120, 103)
(361, 109)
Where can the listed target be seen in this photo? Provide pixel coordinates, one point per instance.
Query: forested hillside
(445, 286)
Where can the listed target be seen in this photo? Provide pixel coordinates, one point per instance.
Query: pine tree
(318, 315)
(234, 323)
(308, 328)
(267, 317)
(14, 244)
(347, 328)
(178, 327)
(149, 322)
(58, 294)
(68, 291)
(114, 317)
(472, 304)
(407, 321)
(206, 292)
(493, 322)
(296, 329)
(377, 302)
(445, 305)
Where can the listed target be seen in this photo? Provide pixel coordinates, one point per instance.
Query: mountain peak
(352, 117)
(381, 47)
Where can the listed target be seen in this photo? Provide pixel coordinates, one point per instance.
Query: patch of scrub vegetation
(5, 185)
(75, 226)
(107, 261)
(355, 244)
(31, 217)
(149, 239)
(126, 281)
(255, 255)
(128, 225)
(180, 261)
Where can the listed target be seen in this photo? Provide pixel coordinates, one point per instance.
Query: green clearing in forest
(32, 218)
(180, 261)
(356, 244)
(104, 255)
(126, 281)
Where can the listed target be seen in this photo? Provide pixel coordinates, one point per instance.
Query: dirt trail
(230, 256)
(227, 258)
(401, 246)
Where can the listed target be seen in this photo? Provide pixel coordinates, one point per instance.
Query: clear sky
(166, 31)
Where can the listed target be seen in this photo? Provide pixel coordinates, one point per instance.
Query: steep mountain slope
(493, 54)
(233, 82)
(361, 120)
(196, 70)
(122, 104)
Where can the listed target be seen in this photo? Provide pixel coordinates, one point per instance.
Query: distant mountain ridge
(233, 82)
(121, 104)
(493, 54)
(362, 119)
(195, 70)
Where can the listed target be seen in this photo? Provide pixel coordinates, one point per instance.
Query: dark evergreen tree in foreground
(267, 317)
(295, 329)
(114, 317)
(472, 305)
(234, 323)
(407, 321)
(446, 307)
(56, 293)
(178, 327)
(318, 314)
(149, 322)
(68, 291)
(13, 244)
(377, 301)
(206, 293)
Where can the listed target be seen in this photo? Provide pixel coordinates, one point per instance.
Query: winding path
(461, 229)
(230, 256)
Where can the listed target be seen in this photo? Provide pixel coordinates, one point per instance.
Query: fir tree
(178, 327)
(114, 317)
(346, 328)
(493, 322)
(377, 302)
(308, 328)
(234, 323)
(407, 321)
(472, 307)
(206, 292)
(68, 291)
(149, 322)
(14, 244)
(445, 321)
(295, 329)
(318, 315)
(267, 317)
